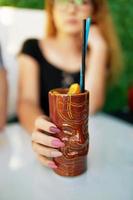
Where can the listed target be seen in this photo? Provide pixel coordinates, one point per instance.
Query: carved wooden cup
(70, 115)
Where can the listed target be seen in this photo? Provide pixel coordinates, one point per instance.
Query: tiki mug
(70, 114)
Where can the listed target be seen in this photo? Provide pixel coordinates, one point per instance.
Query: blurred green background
(122, 13)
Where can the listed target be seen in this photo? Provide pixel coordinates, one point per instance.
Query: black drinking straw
(82, 70)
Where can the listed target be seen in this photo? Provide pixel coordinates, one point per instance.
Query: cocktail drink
(69, 111)
(70, 114)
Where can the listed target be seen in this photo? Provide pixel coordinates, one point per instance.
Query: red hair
(102, 18)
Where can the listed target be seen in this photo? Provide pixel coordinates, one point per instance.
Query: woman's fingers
(46, 162)
(46, 140)
(44, 125)
(42, 142)
(45, 151)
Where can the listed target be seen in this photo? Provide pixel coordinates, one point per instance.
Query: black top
(50, 76)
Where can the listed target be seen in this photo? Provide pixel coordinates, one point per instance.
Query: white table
(109, 175)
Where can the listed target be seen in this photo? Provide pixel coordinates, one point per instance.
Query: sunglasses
(76, 2)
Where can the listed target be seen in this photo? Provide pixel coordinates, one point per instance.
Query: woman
(3, 95)
(55, 62)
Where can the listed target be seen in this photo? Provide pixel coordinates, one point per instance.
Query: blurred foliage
(122, 16)
(122, 13)
(37, 4)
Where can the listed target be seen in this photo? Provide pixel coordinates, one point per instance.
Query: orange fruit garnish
(74, 89)
(55, 92)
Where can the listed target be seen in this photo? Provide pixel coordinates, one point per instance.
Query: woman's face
(68, 15)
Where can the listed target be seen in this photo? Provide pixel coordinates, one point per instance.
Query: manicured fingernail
(57, 143)
(52, 165)
(54, 129)
(56, 154)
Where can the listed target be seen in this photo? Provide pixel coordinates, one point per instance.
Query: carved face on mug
(73, 117)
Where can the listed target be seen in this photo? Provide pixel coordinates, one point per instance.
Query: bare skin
(3, 99)
(55, 49)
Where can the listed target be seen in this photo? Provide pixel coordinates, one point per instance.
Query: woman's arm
(30, 114)
(96, 70)
(3, 98)
(28, 92)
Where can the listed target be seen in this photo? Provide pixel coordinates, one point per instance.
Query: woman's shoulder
(34, 41)
(30, 47)
(97, 39)
(30, 43)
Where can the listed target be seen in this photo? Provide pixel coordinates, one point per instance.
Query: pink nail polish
(54, 129)
(56, 154)
(52, 165)
(57, 143)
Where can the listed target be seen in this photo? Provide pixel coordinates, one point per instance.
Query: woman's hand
(96, 40)
(44, 144)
